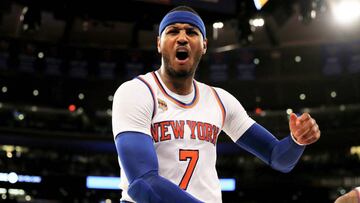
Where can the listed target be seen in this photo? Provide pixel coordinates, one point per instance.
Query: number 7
(193, 155)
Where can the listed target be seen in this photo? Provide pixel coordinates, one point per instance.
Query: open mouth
(182, 55)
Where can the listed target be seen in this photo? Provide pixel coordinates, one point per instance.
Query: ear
(158, 44)
(205, 46)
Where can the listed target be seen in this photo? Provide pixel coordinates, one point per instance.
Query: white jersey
(184, 130)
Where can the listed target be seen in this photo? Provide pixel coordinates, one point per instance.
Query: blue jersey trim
(152, 94)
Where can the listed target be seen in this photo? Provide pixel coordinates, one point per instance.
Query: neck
(181, 86)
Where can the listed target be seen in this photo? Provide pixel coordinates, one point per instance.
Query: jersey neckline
(174, 100)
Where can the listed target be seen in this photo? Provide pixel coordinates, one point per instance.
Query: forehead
(182, 26)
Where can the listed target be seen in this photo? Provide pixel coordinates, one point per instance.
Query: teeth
(182, 50)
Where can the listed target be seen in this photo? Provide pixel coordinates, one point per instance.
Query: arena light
(12, 177)
(35, 92)
(4, 89)
(34, 108)
(109, 112)
(333, 94)
(313, 14)
(29, 179)
(25, 27)
(257, 22)
(355, 150)
(258, 111)
(346, 11)
(289, 111)
(113, 183)
(259, 3)
(28, 198)
(102, 182)
(31, 18)
(23, 12)
(302, 96)
(72, 107)
(342, 107)
(228, 184)
(9, 155)
(40, 55)
(18, 115)
(81, 96)
(80, 110)
(218, 25)
(16, 192)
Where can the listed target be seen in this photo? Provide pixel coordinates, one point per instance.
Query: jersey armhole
(152, 94)
(221, 105)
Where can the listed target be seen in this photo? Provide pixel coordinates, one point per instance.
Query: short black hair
(184, 8)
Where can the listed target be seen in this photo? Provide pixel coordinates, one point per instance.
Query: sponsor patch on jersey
(162, 105)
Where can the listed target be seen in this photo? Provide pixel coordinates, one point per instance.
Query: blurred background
(61, 62)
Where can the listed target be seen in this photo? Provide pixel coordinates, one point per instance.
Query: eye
(172, 31)
(191, 32)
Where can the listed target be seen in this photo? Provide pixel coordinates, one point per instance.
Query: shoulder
(133, 108)
(135, 87)
(130, 84)
(222, 92)
(225, 96)
(134, 93)
(231, 104)
(219, 91)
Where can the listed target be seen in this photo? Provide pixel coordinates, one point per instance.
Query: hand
(351, 196)
(304, 129)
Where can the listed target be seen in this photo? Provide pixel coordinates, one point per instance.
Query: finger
(305, 128)
(312, 134)
(306, 132)
(315, 129)
(304, 117)
(302, 133)
(311, 139)
(292, 121)
(317, 132)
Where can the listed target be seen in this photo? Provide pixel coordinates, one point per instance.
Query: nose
(182, 38)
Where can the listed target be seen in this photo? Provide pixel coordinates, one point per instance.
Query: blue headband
(182, 17)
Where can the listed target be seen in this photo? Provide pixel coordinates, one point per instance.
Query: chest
(173, 122)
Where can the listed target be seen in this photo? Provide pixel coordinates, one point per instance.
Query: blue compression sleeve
(281, 155)
(139, 161)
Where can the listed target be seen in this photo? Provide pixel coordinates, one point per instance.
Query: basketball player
(351, 197)
(166, 124)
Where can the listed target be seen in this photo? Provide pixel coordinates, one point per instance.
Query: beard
(182, 73)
